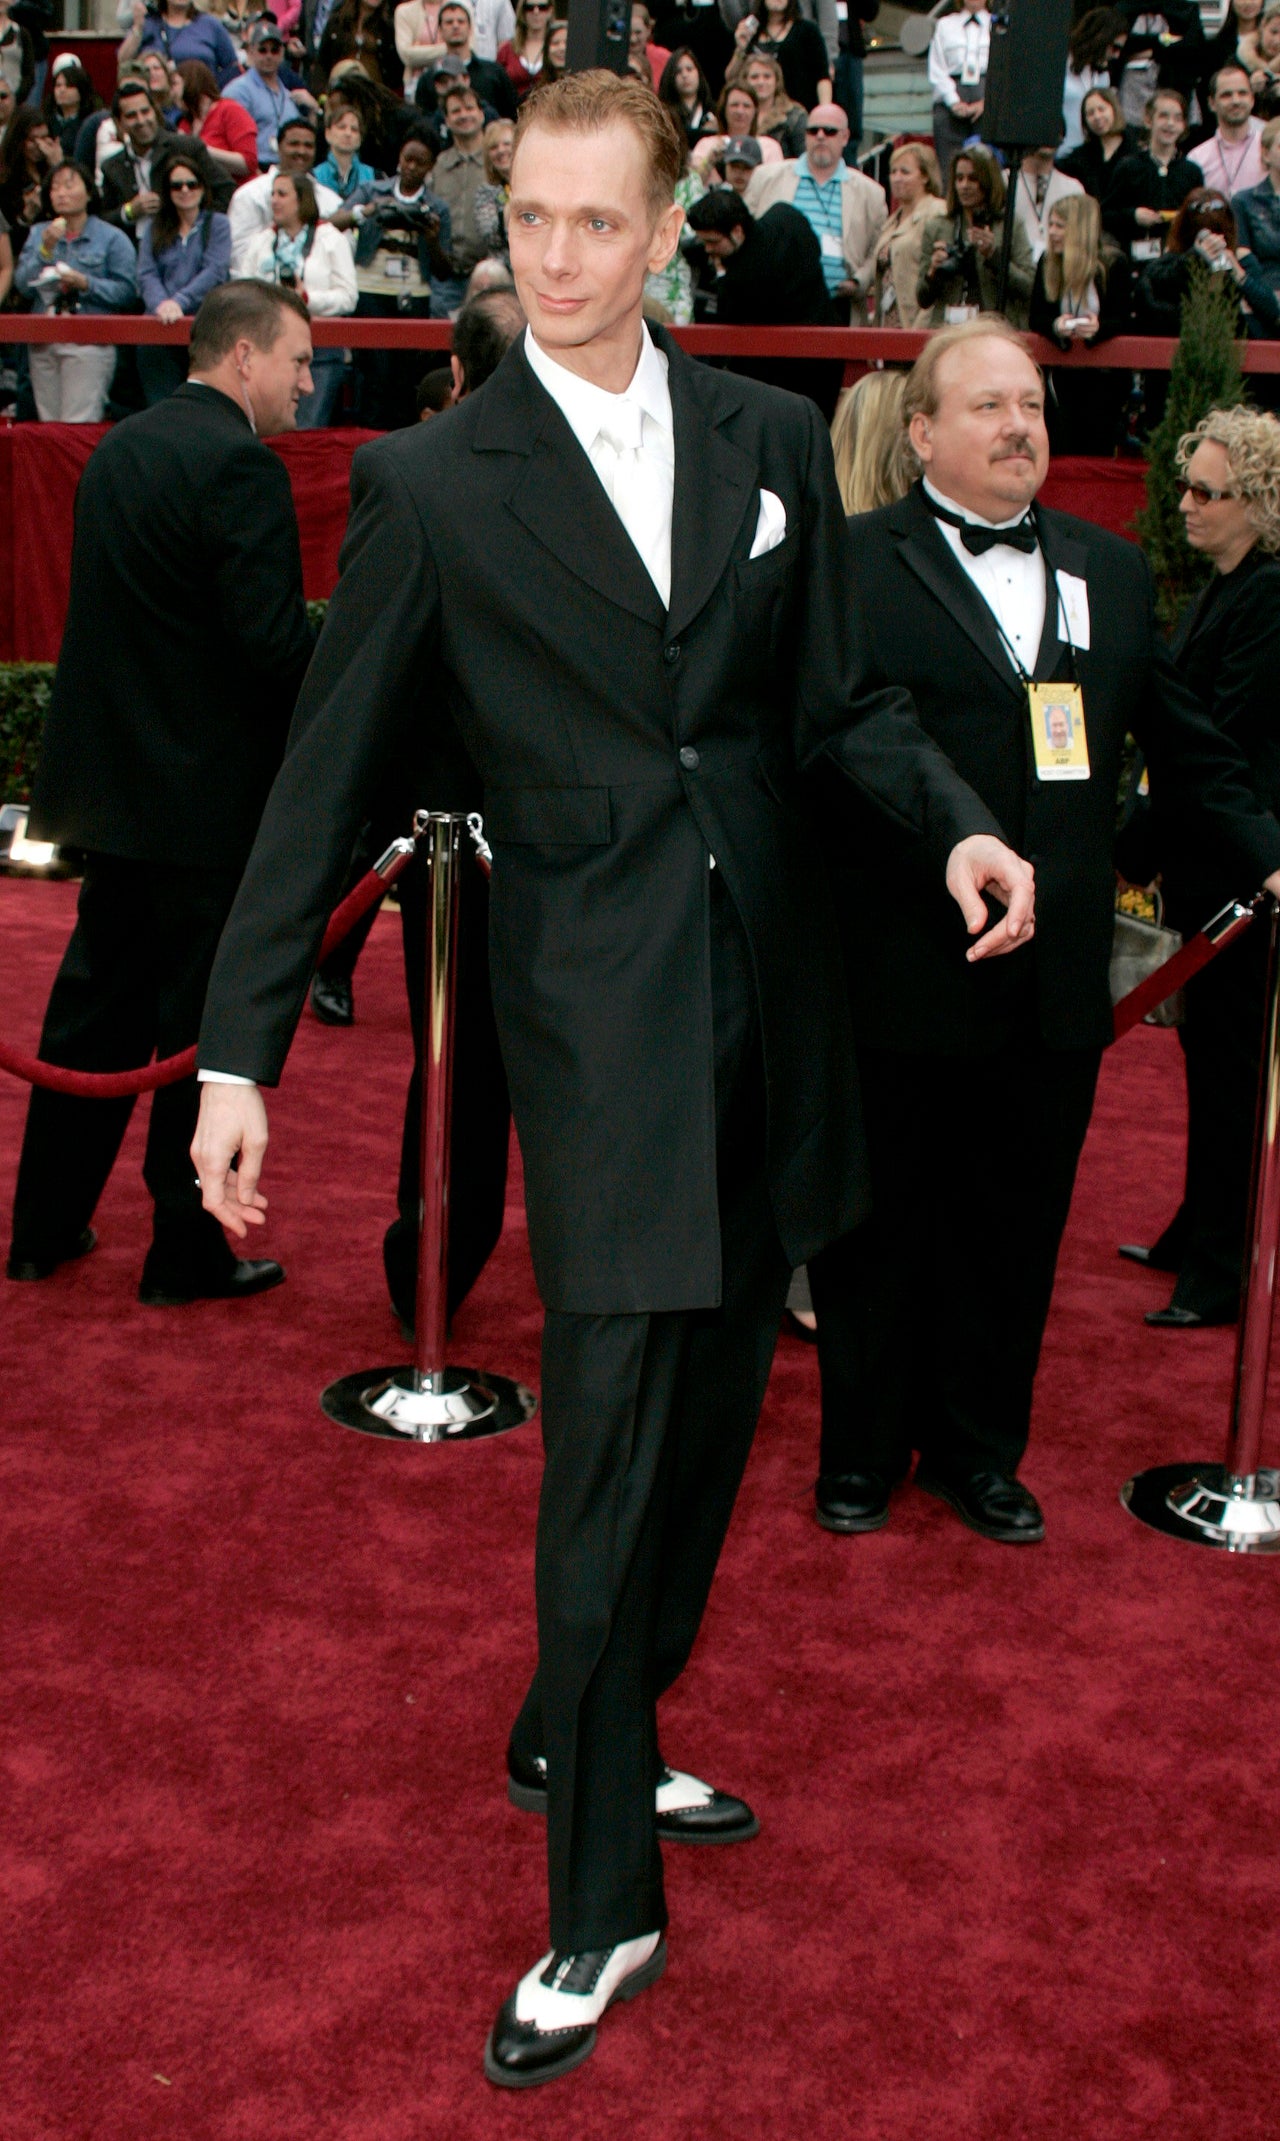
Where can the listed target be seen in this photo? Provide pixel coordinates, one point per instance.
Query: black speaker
(1026, 73)
(599, 34)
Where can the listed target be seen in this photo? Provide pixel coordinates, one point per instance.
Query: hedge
(24, 702)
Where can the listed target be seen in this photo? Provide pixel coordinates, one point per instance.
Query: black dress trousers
(647, 1425)
(930, 1315)
(131, 985)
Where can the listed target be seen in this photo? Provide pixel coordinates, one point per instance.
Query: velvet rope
(1178, 971)
(121, 1085)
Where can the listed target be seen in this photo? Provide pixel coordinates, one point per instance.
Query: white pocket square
(771, 524)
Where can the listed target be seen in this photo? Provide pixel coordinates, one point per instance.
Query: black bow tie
(978, 540)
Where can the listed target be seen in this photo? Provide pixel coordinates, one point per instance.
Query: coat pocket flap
(549, 817)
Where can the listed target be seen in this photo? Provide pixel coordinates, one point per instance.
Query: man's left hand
(981, 864)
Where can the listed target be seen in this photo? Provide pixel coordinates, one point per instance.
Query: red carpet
(1018, 1875)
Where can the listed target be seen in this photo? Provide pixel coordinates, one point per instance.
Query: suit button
(671, 654)
(689, 758)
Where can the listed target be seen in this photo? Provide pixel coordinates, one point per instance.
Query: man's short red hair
(588, 102)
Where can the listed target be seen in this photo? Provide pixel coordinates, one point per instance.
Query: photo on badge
(1058, 736)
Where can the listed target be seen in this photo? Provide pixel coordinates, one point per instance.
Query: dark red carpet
(1018, 1875)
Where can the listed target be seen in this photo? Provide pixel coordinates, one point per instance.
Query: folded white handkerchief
(771, 526)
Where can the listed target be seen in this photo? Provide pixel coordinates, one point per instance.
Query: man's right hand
(232, 1121)
(145, 203)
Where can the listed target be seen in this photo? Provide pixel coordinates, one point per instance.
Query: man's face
(139, 121)
(826, 137)
(738, 175)
(1040, 163)
(584, 234)
(414, 165)
(1234, 101)
(986, 445)
(275, 379)
(1059, 733)
(717, 246)
(297, 149)
(455, 28)
(266, 58)
(463, 116)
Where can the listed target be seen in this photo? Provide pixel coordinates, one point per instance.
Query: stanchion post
(430, 1401)
(1236, 1504)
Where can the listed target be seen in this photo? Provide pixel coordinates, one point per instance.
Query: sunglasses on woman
(186, 185)
(1201, 492)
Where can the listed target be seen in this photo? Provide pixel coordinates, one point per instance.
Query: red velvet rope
(120, 1085)
(1172, 976)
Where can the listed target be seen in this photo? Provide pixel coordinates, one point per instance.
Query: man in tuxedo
(978, 1082)
(185, 644)
(624, 577)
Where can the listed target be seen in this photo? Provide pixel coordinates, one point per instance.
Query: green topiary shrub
(1205, 375)
(24, 702)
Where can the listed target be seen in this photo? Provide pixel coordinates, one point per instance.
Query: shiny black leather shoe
(548, 2025)
(27, 1268)
(990, 1503)
(1134, 1253)
(852, 1501)
(1174, 1318)
(333, 1002)
(686, 1811)
(249, 1275)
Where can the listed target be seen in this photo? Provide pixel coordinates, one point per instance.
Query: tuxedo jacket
(931, 630)
(185, 643)
(621, 743)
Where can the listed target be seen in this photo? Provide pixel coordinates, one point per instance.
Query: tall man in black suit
(185, 644)
(978, 1082)
(625, 578)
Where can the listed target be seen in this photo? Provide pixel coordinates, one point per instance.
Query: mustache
(1016, 447)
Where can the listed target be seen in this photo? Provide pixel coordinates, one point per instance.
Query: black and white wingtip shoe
(686, 1811)
(548, 2025)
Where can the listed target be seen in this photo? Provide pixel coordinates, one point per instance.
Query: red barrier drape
(40, 466)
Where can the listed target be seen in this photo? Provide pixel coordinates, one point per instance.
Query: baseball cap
(265, 33)
(743, 149)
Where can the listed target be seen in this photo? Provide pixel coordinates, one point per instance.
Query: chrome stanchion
(430, 1401)
(1236, 1504)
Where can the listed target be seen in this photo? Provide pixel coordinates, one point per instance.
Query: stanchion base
(1193, 1501)
(384, 1402)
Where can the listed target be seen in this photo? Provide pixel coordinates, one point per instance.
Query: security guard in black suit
(1010, 626)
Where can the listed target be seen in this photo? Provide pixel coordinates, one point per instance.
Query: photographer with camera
(960, 252)
(73, 261)
(302, 253)
(1204, 230)
(404, 270)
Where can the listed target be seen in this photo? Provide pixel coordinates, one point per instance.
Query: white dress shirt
(958, 54)
(630, 442)
(1010, 582)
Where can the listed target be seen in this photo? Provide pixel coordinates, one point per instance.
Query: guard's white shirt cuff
(211, 1077)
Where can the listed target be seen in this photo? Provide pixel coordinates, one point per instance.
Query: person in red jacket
(223, 127)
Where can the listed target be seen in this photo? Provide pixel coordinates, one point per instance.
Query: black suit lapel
(926, 551)
(556, 494)
(717, 484)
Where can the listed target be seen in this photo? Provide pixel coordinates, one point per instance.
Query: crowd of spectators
(360, 152)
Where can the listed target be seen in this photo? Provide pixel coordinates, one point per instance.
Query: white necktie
(638, 490)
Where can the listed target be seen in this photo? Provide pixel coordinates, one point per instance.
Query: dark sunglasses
(828, 133)
(1201, 492)
(186, 185)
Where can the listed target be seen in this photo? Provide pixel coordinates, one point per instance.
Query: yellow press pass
(1058, 735)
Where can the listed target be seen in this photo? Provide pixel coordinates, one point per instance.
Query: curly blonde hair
(1250, 439)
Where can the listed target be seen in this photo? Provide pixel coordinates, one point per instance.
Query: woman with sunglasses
(314, 259)
(1228, 650)
(1204, 236)
(184, 251)
(523, 52)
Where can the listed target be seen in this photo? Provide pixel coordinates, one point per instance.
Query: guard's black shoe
(1174, 1318)
(248, 1275)
(548, 2025)
(1150, 1259)
(27, 1268)
(991, 1503)
(686, 1811)
(333, 1002)
(852, 1501)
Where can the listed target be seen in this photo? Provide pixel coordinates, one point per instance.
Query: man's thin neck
(609, 361)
